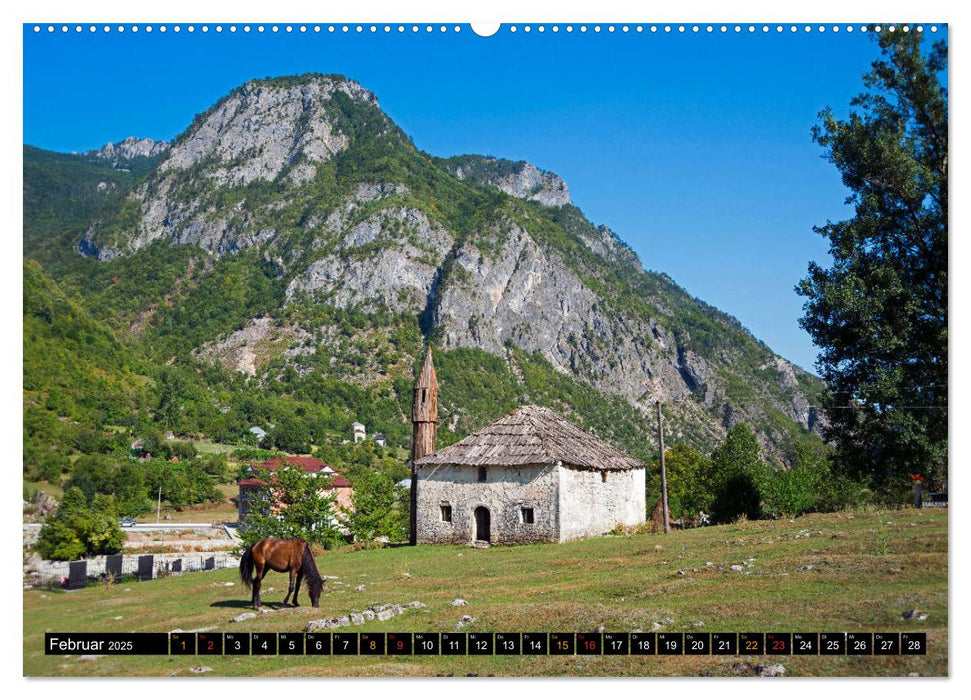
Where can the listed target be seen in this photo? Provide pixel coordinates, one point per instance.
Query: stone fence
(144, 567)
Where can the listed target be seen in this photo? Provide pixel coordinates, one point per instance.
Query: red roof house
(249, 487)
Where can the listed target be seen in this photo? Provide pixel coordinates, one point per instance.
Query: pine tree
(879, 314)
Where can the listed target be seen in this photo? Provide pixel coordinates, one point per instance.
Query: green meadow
(839, 572)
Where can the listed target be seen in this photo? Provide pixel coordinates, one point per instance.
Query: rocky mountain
(128, 149)
(305, 181)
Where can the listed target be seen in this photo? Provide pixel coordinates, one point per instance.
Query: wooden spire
(424, 421)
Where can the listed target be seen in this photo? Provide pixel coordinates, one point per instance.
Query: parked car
(127, 522)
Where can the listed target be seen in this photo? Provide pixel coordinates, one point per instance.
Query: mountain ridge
(307, 176)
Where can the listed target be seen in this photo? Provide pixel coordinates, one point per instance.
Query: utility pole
(158, 514)
(664, 473)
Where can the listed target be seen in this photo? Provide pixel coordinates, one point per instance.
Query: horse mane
(309, 569)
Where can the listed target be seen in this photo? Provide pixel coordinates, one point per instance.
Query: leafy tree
(216, 466)
(374, 513)
(737, 476)
(291, 435)
(130, 490)
(687, 490)
(50, 465)
(174, 391)
(880, 312)
(76, 529)
(92, 474)
(182, 483)
(292, 504)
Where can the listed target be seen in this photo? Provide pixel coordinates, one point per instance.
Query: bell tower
(424, 420)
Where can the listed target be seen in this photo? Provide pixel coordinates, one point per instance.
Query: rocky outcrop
(251, 347)
(129, 149)
(520, 179)
(390, 259)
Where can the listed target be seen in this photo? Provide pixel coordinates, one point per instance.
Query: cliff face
(487, 253)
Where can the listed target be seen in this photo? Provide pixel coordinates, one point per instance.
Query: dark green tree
(290, 435)
(737, 477)
(173, 389)
(879, 313)
(686, 472)
(130, 492)
(76, 529)
(93, 474)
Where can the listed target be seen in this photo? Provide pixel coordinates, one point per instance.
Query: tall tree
(374, 514)
(737, 476)
(687, 471)
(879, 314)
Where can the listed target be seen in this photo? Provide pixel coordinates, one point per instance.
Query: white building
(529, 477)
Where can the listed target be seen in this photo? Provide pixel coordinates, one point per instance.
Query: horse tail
(246, 567)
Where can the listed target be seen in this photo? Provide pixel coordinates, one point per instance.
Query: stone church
(529, 477)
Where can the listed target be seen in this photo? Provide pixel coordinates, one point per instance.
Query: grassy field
(204, 447)
(834, 572)
(221, 511)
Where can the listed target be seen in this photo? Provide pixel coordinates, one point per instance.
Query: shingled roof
(532, 435)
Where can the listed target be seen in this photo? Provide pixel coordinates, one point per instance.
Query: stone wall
(590, 505)
(506, 491)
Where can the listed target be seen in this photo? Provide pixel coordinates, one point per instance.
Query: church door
(482, 524)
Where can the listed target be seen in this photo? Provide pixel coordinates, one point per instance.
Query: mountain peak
(308, 81)
(516, 178)
(268, 126)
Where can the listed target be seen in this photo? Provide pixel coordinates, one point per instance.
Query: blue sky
(694, 148)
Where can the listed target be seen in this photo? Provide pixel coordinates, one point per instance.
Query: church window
(603, 475)
(446, 513)
(482, 473)
(527, 516)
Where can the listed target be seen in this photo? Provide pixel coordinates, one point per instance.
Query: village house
(529, 477)
(250, 488)
(359, 431)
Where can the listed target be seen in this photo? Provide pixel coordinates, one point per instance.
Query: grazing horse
(291, 556)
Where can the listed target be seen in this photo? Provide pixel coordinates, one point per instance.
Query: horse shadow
(247, 604)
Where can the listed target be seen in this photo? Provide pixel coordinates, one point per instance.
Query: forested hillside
(287, 259)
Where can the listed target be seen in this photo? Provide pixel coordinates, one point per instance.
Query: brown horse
(291, 556)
